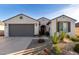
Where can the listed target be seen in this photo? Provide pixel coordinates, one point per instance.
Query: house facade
(62, 23)
(43, 25)
(22, 25)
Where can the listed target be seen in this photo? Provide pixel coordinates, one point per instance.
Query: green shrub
(55, 38)
(62, 35)
(57, 50)
(76, 48)
(75, 39)
(68, 36)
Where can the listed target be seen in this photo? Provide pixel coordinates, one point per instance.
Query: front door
(42, 30)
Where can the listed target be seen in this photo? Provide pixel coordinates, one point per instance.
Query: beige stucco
(62, 18)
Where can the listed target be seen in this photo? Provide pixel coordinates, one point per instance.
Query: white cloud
(71, 10)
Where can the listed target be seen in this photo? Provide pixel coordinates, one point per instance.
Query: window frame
(68, 25)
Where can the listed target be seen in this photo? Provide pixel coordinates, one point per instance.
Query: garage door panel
(21, 30)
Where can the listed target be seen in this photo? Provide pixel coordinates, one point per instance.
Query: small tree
(76, 48)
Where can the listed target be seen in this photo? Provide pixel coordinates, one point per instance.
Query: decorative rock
(65, 52)
(47, 50)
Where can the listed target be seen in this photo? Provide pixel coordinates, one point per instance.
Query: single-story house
(21, 25)
(77, 28)
(62, 23)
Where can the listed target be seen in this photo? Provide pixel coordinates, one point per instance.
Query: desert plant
(55, 38)
(75, 39)
(62, 35)
(68, 36)
(76, 48)
(57, 50)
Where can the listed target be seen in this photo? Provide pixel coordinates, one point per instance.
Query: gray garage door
(21, 29)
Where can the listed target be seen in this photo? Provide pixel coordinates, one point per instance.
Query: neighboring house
(77, 29)
(21, 25)
(62, 23)
(1, 28)
(43, 23)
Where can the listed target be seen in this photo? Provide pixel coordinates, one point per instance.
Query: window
(63, 26)
(21, 17)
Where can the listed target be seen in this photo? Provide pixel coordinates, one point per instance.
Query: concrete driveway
(14, 44)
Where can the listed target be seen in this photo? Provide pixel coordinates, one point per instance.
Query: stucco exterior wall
(52, 27)
(25, 20)
(36, 31)
(43, 22)
(6, 33)
(63, 18)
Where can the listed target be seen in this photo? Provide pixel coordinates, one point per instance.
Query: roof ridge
(63, 15)
(42, 17)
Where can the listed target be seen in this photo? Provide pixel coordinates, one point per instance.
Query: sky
(36, 11)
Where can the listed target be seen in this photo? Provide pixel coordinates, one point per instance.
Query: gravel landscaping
(34, 43)
(67, 48)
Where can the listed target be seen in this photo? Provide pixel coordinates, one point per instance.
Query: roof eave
(18, 15)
